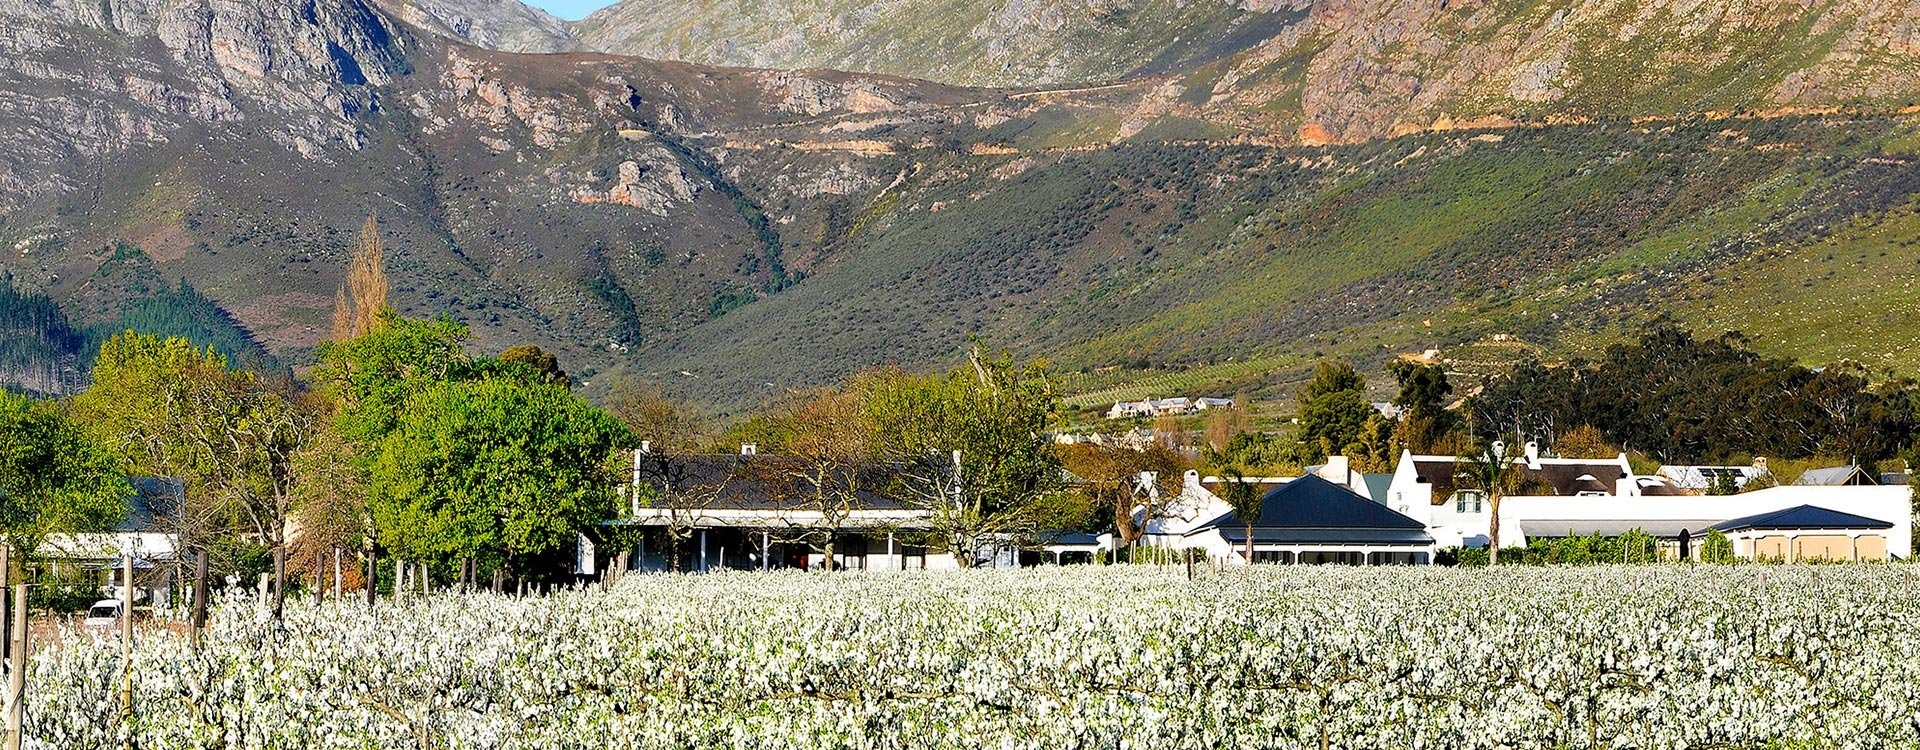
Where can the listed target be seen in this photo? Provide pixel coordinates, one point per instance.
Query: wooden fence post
(199, 622)
(17, 665)
(319, 576)
(126, 637)
(279, 581)
(6, 644)
(373, 578)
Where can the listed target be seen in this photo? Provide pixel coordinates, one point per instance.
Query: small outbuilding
(1804, 532)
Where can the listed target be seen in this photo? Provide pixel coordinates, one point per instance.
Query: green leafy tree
(1425, 421)
(373, 376)
(493, 467)
(1254, 453)
(1334, 411)
(994, 414)
(54, 478)
(533, 363)
(165, 407)
(1716, 548)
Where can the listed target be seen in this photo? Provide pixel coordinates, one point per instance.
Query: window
(1272, 556)
(1467, 501)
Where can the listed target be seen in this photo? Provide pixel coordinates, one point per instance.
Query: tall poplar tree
(364, 294)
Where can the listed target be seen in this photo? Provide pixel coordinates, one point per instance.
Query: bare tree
(824, 472)
(1136, 484)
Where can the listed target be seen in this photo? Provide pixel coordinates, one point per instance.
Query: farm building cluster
(740, 512)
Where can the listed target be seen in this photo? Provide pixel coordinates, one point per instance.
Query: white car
(104, 614)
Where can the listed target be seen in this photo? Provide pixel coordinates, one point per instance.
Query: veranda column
(766, 548)
(703, 550)
(893, 559)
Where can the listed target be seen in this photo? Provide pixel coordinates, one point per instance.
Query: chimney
(1760, 462)
(1336, 469)
(636, 465)
(1499, 450)
(646, 446)
(749, 449)
(1533, 455)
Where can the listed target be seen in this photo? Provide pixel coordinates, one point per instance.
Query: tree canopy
(995, 413)
(168, 408)
(1687, 400)
(493, 467)
(1334, 413)
(54, 478)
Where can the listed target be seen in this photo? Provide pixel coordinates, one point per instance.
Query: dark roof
(153, 498)
(1328, 512)
(1437, 473)
(1802, 517)
(1554, 478)
(760, 482)
(1662, 489)
(1575, 478)
(1263, 535)
(1077, 538)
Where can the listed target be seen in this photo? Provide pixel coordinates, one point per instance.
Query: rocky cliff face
(87, 79)
(1332, 70)
(1018, 43)
(506, 25)
(576, 200)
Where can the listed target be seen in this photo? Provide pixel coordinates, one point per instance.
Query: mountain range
(689, 192)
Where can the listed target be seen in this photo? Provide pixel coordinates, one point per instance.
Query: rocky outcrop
(654, 182)
(506, 25)
(301, 73)
(1019, 43)
(1358, 69)
(1331, 70)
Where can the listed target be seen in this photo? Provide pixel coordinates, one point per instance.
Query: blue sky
(571, 10)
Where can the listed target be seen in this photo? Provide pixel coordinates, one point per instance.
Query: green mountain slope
(732, 232)
(1181, 256)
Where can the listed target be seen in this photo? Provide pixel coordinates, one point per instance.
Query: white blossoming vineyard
(1096, 657)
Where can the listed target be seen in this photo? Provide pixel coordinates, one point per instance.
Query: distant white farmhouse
(1177, 406)
(143, 533)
